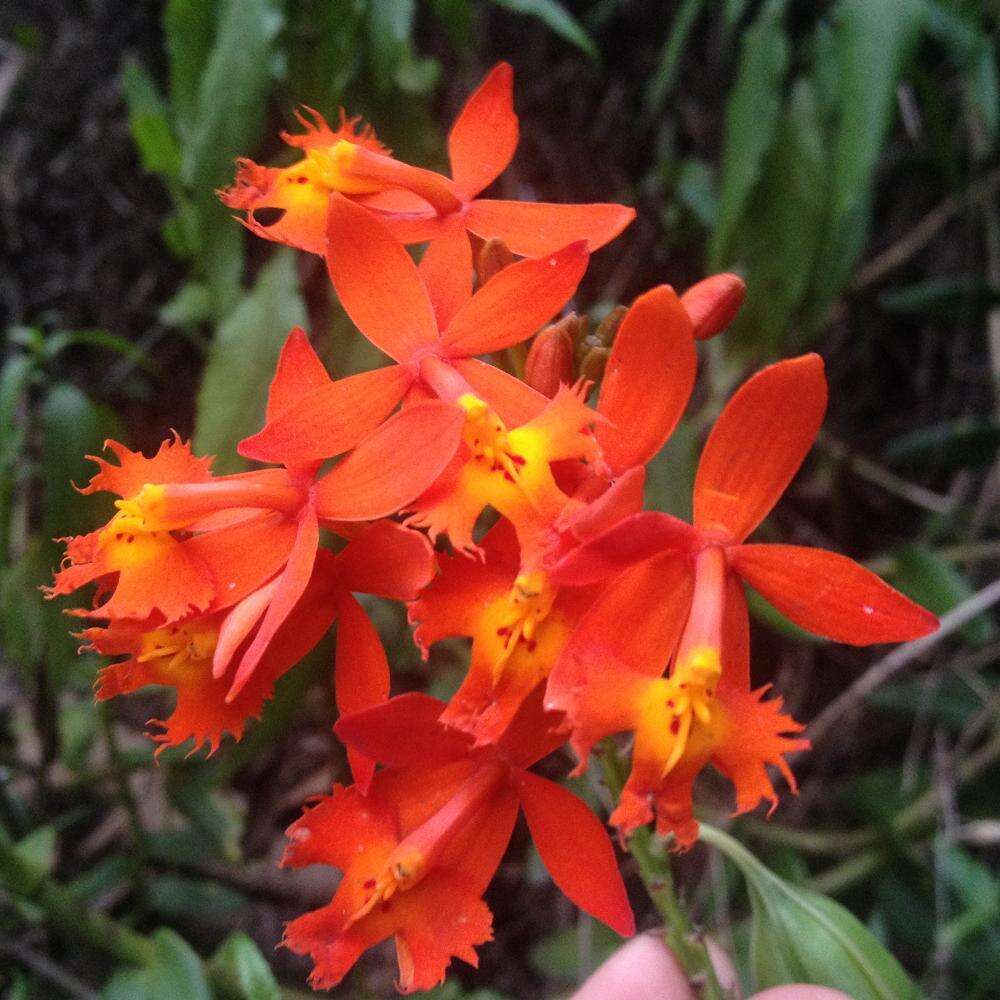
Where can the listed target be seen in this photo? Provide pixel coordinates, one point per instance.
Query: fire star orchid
(518, 617)
(417, 204)
(194, 655)
(418, 851)
(686, 597)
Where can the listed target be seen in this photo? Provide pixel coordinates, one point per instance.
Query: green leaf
(188, 29)
(242, 358)
(38, 849)
(327, 51)
(937, 584)
(72, 428)
(780, 234)
(557, 19)
(147, 117)
(390, 25)
(190, 306)
(558, 955)
(229, 114)
(661, 83)
(753, 110)
(799, 936)
(873, 43)
(181, 897)
(957, 298)
(240, 972)
(953, 444)
(175, 970)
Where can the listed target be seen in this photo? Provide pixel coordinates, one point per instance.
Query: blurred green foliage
(810, 122)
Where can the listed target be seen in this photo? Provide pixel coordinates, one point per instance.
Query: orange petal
(405, 731)
(648, 379)
(623, 498)
(533, 733)
(446, 271)
(242, 557)
(173, 463)
(831, 595)
(758, 444)
(514, 303)
(757, 734)
(484, 136)
(395, 465)
(533, 229)
(584, 866)
(632, 540)
(377, 282)
(290, 587)
(514, 401)
(654, 598)
(330, 419)
(298, 372)
(386, 559)
(453, 604)
(361, 675)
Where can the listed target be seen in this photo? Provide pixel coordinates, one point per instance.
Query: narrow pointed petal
(622, 499)
(298, 373)
(831, 595)
(290, 587)
(394, 466)
(758, 444)
(330, 419)
(403, 732)
(533, 229)
(648, 379)
(514, 401)
(583, 865)
(513, 304)
(361, 678)
(633, 540)
(484, 137)
(446, 271)
(377, 282)
(386, 559)
(238, 624)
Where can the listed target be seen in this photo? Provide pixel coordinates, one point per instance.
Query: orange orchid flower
(172, 548)
(686, 597)
(518, 617)
(417, 204)
(193, 655)
(418, 851)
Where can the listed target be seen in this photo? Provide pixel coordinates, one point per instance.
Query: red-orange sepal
(757, 446)
(647, 380)
(831, 595)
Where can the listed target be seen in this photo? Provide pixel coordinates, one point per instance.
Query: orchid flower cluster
(588, 616)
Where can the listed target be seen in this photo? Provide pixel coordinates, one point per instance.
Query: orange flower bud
(493, 257)
(713, 303)
(550, 360)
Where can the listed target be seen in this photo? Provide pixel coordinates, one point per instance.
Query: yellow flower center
(330, 168)
(486, 437)
(179, 651)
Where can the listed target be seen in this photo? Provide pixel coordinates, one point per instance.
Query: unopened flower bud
(605, 332)
(592, 366)
(713, 303)
(550, 361)
(493, 258)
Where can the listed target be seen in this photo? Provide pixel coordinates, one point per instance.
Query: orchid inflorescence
(588, 616)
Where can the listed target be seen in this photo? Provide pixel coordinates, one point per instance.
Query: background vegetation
(842, 156)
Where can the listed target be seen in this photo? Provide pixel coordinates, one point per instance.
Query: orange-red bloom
(196, 655)
(417, 204)
(689, 599)
(419, 850)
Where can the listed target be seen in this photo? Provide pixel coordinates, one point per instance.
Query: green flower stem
(654, 868)
(65, 912)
